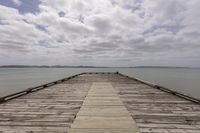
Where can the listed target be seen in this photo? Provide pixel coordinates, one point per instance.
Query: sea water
(183, 80)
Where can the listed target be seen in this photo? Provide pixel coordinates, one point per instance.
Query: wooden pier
(99, 103)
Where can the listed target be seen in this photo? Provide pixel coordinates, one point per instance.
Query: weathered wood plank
(53, 109)
(156, 111)
(107, 115)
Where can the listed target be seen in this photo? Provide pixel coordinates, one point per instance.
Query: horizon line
(57, 66)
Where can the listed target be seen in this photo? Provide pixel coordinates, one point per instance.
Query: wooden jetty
(99, 103)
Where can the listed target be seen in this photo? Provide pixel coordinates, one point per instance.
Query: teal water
(186, 81)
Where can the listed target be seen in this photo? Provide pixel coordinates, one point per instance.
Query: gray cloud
(101, 23)
(95, 47)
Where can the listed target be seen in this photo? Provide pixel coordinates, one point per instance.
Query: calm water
(14, 80)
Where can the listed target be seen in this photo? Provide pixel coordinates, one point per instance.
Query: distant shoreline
(57, 66)
(24, 66)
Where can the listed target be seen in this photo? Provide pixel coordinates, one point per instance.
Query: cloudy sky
(100, 32)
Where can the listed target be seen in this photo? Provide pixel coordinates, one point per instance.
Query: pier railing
(163, 89)
(33, 89)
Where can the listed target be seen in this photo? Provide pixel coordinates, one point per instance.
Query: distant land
(45, 66)
(160, 67)
(60, 66)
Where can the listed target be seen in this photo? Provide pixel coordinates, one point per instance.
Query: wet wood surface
(54, 109)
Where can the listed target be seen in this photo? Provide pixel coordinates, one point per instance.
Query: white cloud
(8, 13)
(118, 32)
(17, 2)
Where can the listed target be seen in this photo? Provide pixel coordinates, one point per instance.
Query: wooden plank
(156, 111)
(103, 115)
(52, 109)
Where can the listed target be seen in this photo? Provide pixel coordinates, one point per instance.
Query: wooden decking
(50, 110)
(103, 112)
(54, 109)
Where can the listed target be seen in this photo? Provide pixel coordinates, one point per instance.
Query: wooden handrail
(195, 100)
(33, 89)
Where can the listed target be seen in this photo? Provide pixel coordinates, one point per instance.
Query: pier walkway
(100, 103)
(103, 111)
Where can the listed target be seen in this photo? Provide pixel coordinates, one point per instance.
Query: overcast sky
(100, 32)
